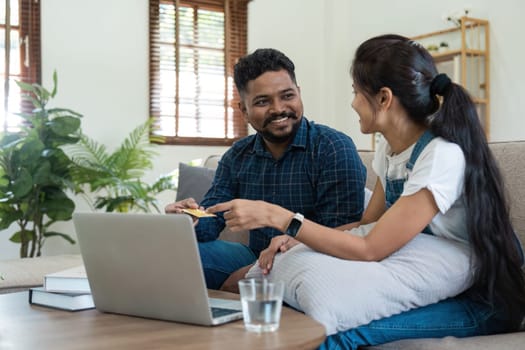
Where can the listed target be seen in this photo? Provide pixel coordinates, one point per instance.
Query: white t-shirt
(439, 168)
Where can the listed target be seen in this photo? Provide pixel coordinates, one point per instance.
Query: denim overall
(394, 187)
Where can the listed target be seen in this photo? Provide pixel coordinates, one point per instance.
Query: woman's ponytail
(498, 277)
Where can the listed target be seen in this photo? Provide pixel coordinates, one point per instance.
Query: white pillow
(343, 294)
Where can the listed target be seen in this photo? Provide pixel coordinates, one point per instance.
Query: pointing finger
(219, 207)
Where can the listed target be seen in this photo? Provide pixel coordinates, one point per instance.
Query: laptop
(148, 265)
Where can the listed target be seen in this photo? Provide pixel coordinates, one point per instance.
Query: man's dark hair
(251, 66)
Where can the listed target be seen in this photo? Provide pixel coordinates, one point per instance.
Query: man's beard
(268, 135)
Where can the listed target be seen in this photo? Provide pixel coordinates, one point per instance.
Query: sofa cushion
(21, 274)
(194, 181)
(510, 341)
(509, 156)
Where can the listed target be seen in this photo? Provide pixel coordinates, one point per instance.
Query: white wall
(100, 51)
(346, 23)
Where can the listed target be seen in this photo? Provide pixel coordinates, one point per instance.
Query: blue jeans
(221, 258)
(458, 317)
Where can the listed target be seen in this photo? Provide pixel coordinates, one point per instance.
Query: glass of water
(262, 301)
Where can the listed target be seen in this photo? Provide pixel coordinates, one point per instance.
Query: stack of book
(67, 290)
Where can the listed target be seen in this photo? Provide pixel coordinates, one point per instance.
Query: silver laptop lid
(144, 265)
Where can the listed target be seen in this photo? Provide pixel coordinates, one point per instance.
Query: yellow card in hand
(198, 213)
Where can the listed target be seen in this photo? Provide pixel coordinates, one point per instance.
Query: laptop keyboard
(219, 311)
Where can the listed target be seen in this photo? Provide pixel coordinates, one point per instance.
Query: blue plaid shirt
(320, 175)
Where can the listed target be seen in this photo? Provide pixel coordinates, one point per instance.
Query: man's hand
(177, 207)
(188, 203)
(278, 244)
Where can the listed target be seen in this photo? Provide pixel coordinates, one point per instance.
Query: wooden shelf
(465, 58)
(449, 54)
(468, 23)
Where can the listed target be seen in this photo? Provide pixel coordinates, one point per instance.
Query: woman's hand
(244, 214)
(278, 244)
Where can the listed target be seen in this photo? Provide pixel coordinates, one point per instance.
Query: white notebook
(63, 301)
(72, 280)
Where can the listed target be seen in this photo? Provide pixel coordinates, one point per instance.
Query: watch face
(294, 226)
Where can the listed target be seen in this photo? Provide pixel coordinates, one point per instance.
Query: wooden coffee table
(25, 326)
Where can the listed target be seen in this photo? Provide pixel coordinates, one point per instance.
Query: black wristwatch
(295, 225)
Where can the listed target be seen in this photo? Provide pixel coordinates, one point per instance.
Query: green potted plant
(115, 179)
(35, 173)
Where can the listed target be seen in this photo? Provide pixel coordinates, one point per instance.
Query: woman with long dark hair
(437, 225)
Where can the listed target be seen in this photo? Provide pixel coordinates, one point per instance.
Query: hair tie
(440, 84)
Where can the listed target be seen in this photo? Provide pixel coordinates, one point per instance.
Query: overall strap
(394, 187)
(423, 141)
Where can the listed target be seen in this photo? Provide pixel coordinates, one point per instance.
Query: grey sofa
(20, 274)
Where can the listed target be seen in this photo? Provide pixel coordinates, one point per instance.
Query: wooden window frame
(235, 46)
(30, 53)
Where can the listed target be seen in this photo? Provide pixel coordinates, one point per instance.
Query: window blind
(21, 57)
(193, 48)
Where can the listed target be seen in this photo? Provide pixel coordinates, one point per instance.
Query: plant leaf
(57, 206)
(25, 86)
(55, 84)
(23, 184)
(63, 235)
(17, 236)
(64, 112)
(8, 215)
(64, 126)
(42, 175)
